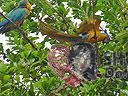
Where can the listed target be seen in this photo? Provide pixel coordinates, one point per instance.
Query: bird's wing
(4, 22)
(15, 15)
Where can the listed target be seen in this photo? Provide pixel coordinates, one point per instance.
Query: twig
(20, 30)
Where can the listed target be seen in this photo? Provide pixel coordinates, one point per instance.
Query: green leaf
(6, 78)
(3, 67)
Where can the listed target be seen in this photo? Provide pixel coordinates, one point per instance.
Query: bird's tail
(46, 29)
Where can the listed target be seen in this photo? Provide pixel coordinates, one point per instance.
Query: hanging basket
(73, 64)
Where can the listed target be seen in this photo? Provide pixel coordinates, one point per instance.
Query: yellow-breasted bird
(17, 15)
(85, 32)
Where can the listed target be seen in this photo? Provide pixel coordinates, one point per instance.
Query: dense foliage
(27, 74)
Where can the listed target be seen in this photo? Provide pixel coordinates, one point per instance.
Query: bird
(85, 32)
(17, 15)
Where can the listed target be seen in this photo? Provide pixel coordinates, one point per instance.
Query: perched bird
(85, 33)
(17, 15)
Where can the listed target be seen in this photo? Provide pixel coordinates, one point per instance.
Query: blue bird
(17, 15)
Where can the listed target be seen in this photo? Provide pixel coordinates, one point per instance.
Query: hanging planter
(73, 64)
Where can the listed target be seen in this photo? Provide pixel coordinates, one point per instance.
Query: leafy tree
(27, 72)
